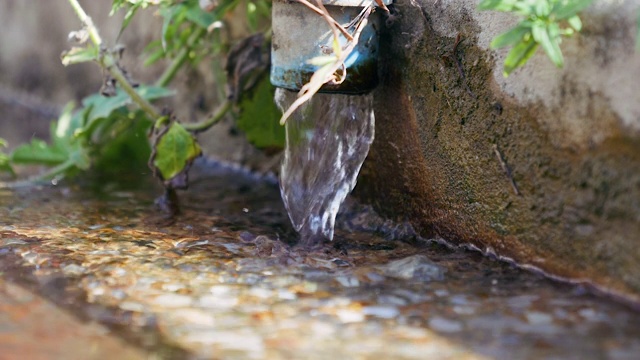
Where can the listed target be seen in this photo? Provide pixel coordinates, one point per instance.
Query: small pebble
(589, 314)
(172, 300)
(73, 269)
(538, 318)
(348, 281)
(416, 267)
(384, 312)
(131, 306)
(217, 302)
(350, 316)
(445, 325)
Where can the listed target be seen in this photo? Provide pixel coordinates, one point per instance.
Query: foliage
(5, 160)
(257, 112)
(109, 131)
(175, 149)
(545, 23)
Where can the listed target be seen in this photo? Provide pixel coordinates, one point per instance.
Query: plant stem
(108, 62)
(204, 125)
(182, 56)
(86, 20)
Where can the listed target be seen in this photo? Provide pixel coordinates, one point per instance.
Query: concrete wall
(34, 85)
(542, 167)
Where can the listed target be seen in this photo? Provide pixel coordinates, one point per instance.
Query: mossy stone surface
(463, 160)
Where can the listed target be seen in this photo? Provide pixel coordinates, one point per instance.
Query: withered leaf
(246, 61)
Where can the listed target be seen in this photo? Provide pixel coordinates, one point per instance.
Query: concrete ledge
(33, 328)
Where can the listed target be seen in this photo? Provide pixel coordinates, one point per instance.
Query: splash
(328, 139)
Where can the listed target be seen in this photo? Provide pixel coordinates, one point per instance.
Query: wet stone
(219, 282)
(415, 267)
(445, 325)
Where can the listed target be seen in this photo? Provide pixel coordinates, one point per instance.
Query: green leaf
(69, 121)
(542, 8)
(526, 8)
(198, 16)
(259, 117)
(5, 160)
(519, 55)
(123, 146)
(80, 158)
(154, 92)
(497, 5)
(510, 37)
(102, 106)
(66, 154)
(264, 8)
(5, 164)
(252, 16)
(117, 4)
(570, 8)
(39, 152)
(155, 52)
(79, 55)
(169, 14)
(638, 33)
(575, 23)
(322, 60)
(128, 16)
(550, 43)
(174, 151)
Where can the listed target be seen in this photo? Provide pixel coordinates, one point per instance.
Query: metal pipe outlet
(299, 34)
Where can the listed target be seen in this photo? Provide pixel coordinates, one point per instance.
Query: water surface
(222, 280)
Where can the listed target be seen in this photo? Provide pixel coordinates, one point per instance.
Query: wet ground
(94, 271)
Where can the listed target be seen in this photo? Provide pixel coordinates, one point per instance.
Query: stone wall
(542, 167)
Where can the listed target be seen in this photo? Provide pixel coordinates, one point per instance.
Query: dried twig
(323, 12)
(459, 66)
(506, 169)
(382, 5)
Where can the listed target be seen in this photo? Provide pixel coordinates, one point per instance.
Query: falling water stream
(328, 139)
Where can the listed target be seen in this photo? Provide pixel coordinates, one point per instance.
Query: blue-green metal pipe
(299, 34)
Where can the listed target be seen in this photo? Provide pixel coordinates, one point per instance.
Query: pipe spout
(299, 34)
